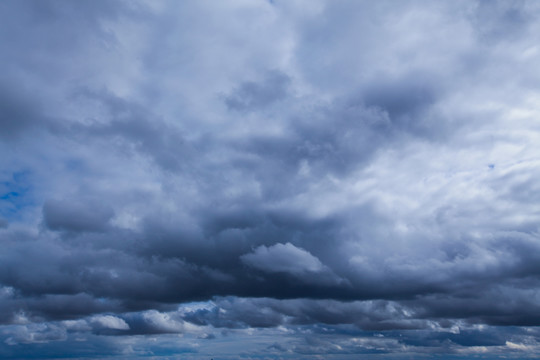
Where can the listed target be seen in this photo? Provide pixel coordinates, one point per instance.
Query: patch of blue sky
(15, 195)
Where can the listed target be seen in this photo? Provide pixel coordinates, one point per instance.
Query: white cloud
(283, 258)
(108, 322)
(162, 321)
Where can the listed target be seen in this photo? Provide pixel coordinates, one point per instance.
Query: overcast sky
(286, 179)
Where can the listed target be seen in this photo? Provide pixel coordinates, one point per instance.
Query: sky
(253, 179)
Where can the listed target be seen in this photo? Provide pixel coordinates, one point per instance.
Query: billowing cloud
(283, 258)
(109, 322)
(289, 259)
(334, 179)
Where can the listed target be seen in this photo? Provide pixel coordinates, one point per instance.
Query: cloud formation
(283, 258)
(332, 178)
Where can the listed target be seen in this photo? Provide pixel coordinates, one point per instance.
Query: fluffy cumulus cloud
(269, 179)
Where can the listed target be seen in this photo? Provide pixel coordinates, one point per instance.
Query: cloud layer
(269, 179)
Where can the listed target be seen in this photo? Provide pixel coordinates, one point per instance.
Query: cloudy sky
(254, 179)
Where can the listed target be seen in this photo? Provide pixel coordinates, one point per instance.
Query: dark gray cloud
(61, 215)
(332, 178)
(17, 111)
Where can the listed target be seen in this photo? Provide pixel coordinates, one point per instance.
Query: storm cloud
(269, 179)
